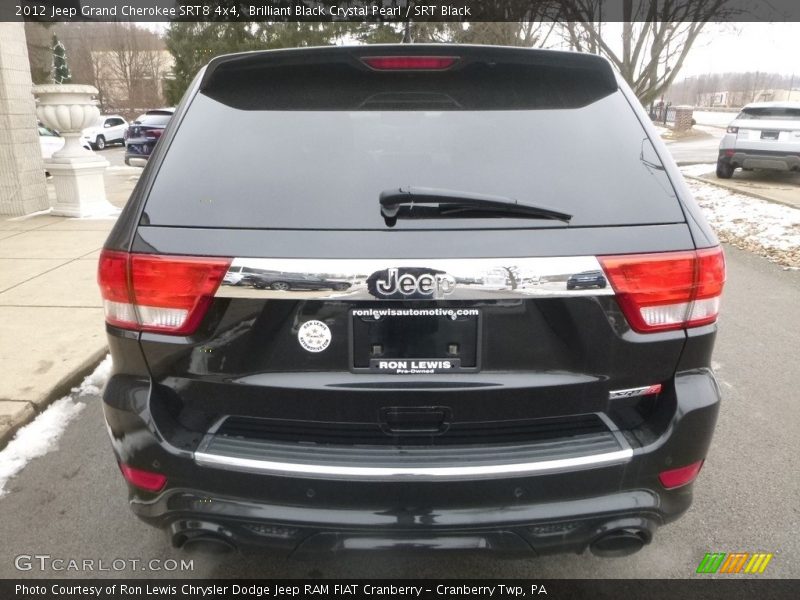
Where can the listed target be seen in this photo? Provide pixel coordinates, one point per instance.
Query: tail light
(733, 129)
(669, 290)
(409, 63)
(146, 480)
(166, 294)
(675, 478)
(153, 134)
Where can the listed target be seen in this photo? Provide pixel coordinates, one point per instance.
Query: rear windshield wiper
(433, 203)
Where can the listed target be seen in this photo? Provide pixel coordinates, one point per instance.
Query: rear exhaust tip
(620, 542)
(206, 544)
(201, 537)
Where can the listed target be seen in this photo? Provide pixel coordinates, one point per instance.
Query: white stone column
(77, 172)
(22, 180)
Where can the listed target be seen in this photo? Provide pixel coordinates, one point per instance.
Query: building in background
(127, 64)
(734, 90)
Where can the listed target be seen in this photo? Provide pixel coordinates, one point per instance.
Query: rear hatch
(768, 129)
(461, 328)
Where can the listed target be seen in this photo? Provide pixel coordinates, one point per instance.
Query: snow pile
(93, 383)
(698, 170)
(41, 435)
(766, 228)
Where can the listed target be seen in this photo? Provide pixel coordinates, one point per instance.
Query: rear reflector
(675, 478)
(409, 63)
(669, 290)
(166, 294)
(146, 480)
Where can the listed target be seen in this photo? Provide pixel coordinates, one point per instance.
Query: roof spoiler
(354, 54)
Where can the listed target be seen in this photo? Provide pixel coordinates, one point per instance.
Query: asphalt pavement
(115, 155)
(71, 503)
(698, 150)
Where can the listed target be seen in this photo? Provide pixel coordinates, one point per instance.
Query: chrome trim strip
(414, 279)
(266, 467)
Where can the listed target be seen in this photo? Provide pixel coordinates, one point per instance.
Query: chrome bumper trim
(266, 467)
(414, 279)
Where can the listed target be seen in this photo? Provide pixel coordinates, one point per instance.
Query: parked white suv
(765, 135)
(109, 129)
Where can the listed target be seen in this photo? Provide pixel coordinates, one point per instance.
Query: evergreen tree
(60, 72)
(192, 45)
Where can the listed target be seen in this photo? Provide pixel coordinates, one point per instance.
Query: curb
(59, 390)
(10, 428)
(740, 191)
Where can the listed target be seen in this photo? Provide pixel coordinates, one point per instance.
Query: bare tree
(656, 37)
(124, 62)
(131, 68)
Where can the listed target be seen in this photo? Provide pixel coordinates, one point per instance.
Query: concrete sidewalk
(52, 318)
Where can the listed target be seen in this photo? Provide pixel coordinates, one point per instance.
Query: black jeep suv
(466, 390)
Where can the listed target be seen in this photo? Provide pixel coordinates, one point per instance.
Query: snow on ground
(698, 170)
(41, 435)
(662, 131)
(714, 118)
(766, 228)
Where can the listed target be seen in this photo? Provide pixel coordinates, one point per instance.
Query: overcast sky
(736, 47)
(723, 47)
(771, 47)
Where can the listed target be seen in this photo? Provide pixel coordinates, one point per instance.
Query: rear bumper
(520, 528)
(137, 152)
(754, 159)
(535, 513)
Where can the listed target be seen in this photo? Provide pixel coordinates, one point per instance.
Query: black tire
(280, 286)
(99, 143)
(725, 169)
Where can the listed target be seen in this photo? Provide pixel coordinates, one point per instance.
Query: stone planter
(68, 109)
(77, 172)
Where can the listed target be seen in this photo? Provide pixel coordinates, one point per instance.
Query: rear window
(772, 112)
(301, 151)
(154, 119)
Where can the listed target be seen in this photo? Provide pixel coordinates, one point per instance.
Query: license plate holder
(405, 342)
(770, 135)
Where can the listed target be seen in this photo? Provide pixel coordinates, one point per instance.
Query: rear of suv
(143, 135)
(511, 351)
(765, 135)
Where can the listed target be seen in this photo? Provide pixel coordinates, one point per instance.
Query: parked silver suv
(765, 135)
